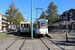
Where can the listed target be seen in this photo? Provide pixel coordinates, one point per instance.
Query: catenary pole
(31, 19)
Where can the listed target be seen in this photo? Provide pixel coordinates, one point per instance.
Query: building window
(61, 17)
(70, 14)
(64, 17)
(0, 17)
(0, 21)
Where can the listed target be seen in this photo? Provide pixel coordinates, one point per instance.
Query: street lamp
(66, 28)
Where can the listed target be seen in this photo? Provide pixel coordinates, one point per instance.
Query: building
(70, 15)
(11, 26)
(67, 15)
(3, 23)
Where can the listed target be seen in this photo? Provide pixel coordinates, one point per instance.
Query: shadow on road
(64, 43)
(24, 35)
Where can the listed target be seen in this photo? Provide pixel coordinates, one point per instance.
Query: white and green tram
(25, 26)
(41, 26)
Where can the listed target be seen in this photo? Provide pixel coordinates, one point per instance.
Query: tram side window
(27, 25)
(37, 26)
(21, 25)
(47, 25)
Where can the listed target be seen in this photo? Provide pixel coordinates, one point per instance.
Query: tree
(18, 18)
(13, 15)
(52, 14)
(43, 15)
(10, 13)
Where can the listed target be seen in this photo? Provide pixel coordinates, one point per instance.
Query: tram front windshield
(43, 25)
(24, 25)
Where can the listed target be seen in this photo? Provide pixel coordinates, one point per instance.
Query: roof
(62, 23)
(41, 20)
(25, 22)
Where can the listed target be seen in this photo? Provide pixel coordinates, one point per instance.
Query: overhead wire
(22, 5)
(39, 6)
(39, 3)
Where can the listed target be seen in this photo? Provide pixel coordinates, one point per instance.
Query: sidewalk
(60, 40)
(57, 36)
(62, 36)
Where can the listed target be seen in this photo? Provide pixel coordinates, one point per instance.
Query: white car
(1, 31)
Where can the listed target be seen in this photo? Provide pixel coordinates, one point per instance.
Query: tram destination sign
(42, 20)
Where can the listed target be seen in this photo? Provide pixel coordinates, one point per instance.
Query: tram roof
(25, 22)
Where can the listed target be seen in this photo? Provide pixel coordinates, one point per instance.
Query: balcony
(5, 22)
(4, 18)
(4, 25)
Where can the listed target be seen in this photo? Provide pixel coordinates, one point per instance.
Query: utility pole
(31, 19)
(66, 28)
(28, 15)
(37, 12)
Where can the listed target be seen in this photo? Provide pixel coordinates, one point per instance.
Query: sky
(25, 6)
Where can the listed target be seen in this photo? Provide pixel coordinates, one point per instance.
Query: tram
(41, 26)
(25, 26)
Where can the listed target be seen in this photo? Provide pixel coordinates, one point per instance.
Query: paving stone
(69, 47)
(16, 45)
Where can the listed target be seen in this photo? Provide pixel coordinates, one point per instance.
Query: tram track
(12, 44)
(47, 37)
(44, 44)
(22, 45)
(15, 44)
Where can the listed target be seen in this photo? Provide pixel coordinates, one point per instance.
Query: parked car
(9, 30)
(1, 31)
(18, 29)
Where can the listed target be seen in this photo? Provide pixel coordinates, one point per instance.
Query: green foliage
(13, 15)
(52, 14)
(43, 15)
(6, 35)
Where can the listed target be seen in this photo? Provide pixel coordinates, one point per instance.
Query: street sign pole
(31, 19)
(66, 28)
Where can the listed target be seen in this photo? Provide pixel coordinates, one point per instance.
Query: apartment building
(70, 16)
(3, 23)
